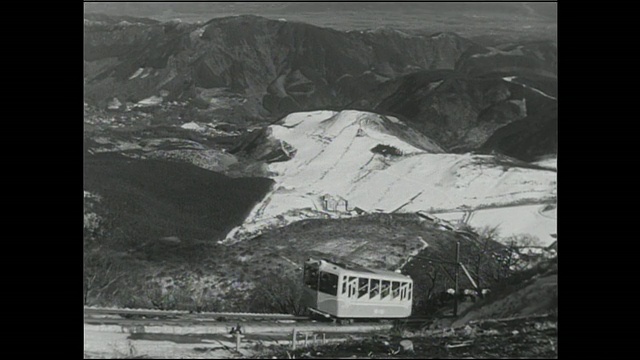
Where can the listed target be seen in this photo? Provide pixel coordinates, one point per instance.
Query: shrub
(386, 150)
(280, 293)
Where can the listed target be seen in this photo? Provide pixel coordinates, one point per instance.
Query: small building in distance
(334, 203)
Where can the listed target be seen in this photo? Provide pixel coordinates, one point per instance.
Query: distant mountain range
(278, 66)
(452, 89)
(548, 9)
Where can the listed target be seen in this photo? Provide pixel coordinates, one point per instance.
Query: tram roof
(362, 269)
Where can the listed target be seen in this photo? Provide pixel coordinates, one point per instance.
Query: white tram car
(342, 292)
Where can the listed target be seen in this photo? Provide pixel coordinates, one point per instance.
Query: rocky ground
(517, 337)
(530, 337)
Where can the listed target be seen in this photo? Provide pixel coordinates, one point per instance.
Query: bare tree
(519, 247)
(515, 257)
(434, 276)
(281, 293)
(100, 273)
(487, 237)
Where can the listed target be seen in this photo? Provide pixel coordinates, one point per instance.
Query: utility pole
(455, 295)
(456, 276)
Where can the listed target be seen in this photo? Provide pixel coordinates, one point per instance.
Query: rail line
(222, 320)
(183, 313)
(184, 329)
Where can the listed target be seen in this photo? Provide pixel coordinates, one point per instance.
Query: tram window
(311, 277)
(375, 288)
(395, 290)
(363, 287)
(328, 283)
(409, 293)
(344, 284)
(352, 286)
(384, 289)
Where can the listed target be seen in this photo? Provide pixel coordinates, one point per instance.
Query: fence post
(293, 340)
(238, 337)
(324, 339)
(306, 338)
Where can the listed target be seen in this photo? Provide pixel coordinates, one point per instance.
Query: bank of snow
(550, 163)
(536, 220)
(334, 172)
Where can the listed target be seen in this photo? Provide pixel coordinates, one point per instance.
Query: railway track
(220, 322)
(111, 332)
(220, 316)
(159, 333)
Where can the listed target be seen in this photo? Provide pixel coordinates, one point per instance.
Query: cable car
(343, 292)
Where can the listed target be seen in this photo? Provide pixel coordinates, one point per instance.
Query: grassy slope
(151, 200)
(382, 241)
(533, 291)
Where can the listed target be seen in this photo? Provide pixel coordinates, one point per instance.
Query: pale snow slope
(512, 78)
(551, 163)
(333, 157)
(512, 220)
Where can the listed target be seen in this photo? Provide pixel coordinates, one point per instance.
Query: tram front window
(328, 283)
(311, 276)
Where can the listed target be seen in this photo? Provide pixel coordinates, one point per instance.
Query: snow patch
(88, 195)
(516, 220)
(493, 52)
(512, 78)
(146, 73)
(192, 126)
(136, 74)
(394, 120)
(551, 163)
(114, 104)
(196, 34)
(150, 101)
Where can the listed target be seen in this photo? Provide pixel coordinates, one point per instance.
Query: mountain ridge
(252, 67)
(291, 54)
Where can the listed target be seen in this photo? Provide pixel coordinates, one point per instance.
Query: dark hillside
(152, 200)
(459, 111)
(527, 139)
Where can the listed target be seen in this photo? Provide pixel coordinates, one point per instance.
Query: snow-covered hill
(342, 163)
(538, 220)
